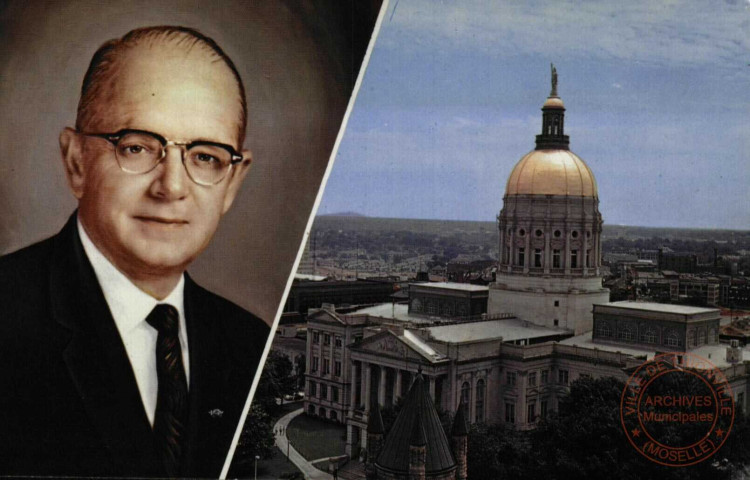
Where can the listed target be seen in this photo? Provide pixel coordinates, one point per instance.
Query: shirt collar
(128, 304)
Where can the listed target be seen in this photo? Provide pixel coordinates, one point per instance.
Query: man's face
(154, 224)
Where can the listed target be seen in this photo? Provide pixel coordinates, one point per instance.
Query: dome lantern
(553, 120)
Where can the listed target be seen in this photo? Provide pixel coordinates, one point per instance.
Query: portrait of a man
(115, 361)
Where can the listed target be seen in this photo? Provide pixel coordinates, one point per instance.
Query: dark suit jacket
(70, 403)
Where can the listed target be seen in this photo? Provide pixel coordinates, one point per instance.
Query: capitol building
(507, 352)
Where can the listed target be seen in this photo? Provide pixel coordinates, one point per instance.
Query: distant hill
(355, 221)
(342, 214)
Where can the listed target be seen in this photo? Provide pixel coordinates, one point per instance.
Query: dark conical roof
(460, 429)
(417, 438)
(375, 421)
(417, 408)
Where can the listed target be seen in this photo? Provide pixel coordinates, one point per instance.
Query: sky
(657, 96)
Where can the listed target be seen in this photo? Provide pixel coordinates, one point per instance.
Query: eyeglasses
(139, 151)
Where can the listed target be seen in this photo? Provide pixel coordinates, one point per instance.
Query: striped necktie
(170, 420)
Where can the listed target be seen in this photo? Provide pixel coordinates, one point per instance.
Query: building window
(543, 408)
(313, 389)
(510, 413)
(334, 394)
(701, 336)
(574, 259)
(691, 339)
(315, 364)
(510, 378)
(327, 339)
(324, 391)
(545, 377)
(557, 233)
(432, 308)
(603, 330)
(416, 305)
(480, 401)
(326, 366)
(311, 409)
(316, 337)
(334, 416)
(672, 340)
(465, 395)
(562, 377)
(532, 379)
(649, 336)
(626, 333)
(507, 254)
(322, 412)
(337, 368)
(539, 233)
(588, 258)
(531, 411)
(574, 234)
(556, 322)
(339, 341)
(537, 257)
(521, 256)
(557, 303)
(714, 335)
(555, 258)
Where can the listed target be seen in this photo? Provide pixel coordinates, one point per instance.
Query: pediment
(390, 345)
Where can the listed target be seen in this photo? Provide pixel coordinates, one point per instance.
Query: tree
(256, 439)
(276, 381)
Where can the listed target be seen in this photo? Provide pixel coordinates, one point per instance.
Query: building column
(547, 249)
(586, 258)
(353, 398)
(366, 386)
(527, 249)
(432, 387)
(381, 387)
(473, 399)
(397, 387)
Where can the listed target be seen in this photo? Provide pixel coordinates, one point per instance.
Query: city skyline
(656, 98)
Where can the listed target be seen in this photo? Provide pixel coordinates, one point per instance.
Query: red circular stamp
(677, 409)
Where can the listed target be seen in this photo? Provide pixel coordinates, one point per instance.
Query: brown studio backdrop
(299, 61)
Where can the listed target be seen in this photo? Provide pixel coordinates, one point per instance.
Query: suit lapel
(97, 361)
(213, 405)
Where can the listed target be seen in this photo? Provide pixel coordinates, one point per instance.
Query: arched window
(465, 395)
(322, 412)
(649, 335)
(691, 338)
(626, 333)
(480, 401)
(416, 305)
(334, 415)
(673, 340)
(604, 330)
(311, 409)
(701, 336)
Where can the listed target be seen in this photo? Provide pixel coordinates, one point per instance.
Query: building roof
(659, 307)
(466, 287)
(551, 172)
(510, 329)
(417, 408)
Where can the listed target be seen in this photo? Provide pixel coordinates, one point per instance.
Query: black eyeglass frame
(114, 139)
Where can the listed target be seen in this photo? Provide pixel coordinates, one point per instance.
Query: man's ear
(71, 150)
(235, 179)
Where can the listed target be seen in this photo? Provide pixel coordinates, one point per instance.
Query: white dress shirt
(130, 306)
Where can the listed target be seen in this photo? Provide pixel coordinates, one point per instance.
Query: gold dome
(551, 172)
(555, 102)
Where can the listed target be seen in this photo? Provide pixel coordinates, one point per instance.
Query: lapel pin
(216, 413)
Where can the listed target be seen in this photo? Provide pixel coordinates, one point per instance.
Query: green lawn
(315, 438)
